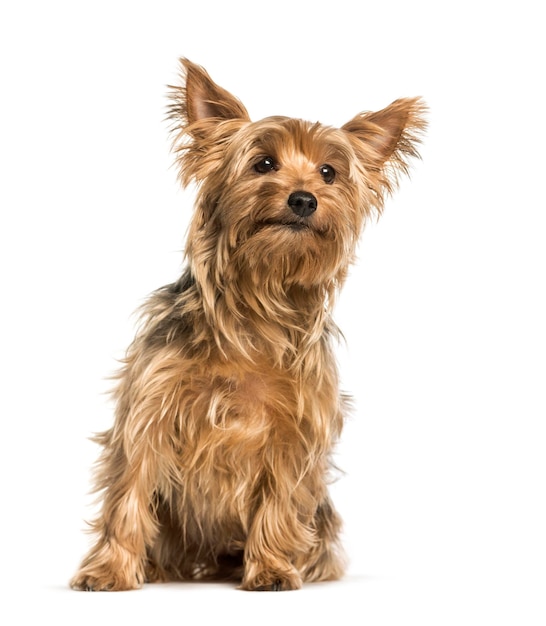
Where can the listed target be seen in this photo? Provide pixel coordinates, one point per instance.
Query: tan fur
(228, 404)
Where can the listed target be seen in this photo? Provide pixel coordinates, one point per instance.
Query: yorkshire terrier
(227, 405)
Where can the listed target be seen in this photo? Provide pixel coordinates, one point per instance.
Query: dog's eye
(328, 173)
(265, 165)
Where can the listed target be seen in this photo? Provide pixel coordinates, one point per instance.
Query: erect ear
(387, 138)
(202, 99)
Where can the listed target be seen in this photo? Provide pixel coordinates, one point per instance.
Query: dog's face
(288, 198)
(283, 198)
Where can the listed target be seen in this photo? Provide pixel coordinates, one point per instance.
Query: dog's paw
(277, 585)
(269, 580)
(87, 581)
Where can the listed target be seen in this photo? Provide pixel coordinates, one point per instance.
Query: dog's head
(281, 200)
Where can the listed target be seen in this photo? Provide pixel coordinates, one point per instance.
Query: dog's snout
(302, 203)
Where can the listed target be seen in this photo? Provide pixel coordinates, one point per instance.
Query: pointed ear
(200, 98)
(204, 116)
(386, 139)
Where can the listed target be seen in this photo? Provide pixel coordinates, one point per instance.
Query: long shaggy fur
(227, 406)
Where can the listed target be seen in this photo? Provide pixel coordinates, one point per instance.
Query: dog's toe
(276, 585)
(272, 581)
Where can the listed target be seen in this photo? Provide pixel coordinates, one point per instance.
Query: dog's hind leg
(326, 560)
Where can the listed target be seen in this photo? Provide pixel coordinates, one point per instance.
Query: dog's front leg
(268, 551)
(276, 536)
(127, 523)
(125, 527)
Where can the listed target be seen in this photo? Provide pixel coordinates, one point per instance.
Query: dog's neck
(280, 322)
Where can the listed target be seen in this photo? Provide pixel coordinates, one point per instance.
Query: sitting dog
(228, 405)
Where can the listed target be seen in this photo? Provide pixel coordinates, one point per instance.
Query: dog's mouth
(292, 225)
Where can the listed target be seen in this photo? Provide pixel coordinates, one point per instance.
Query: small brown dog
(228, 404)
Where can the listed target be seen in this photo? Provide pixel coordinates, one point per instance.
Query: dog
(228, 403)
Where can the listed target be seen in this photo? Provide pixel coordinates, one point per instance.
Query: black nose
(302, 203)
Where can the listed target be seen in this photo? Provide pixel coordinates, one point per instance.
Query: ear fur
(384, 141)
(199, 98)
(204, 116)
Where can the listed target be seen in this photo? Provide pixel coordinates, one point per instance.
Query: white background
(444, 314)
